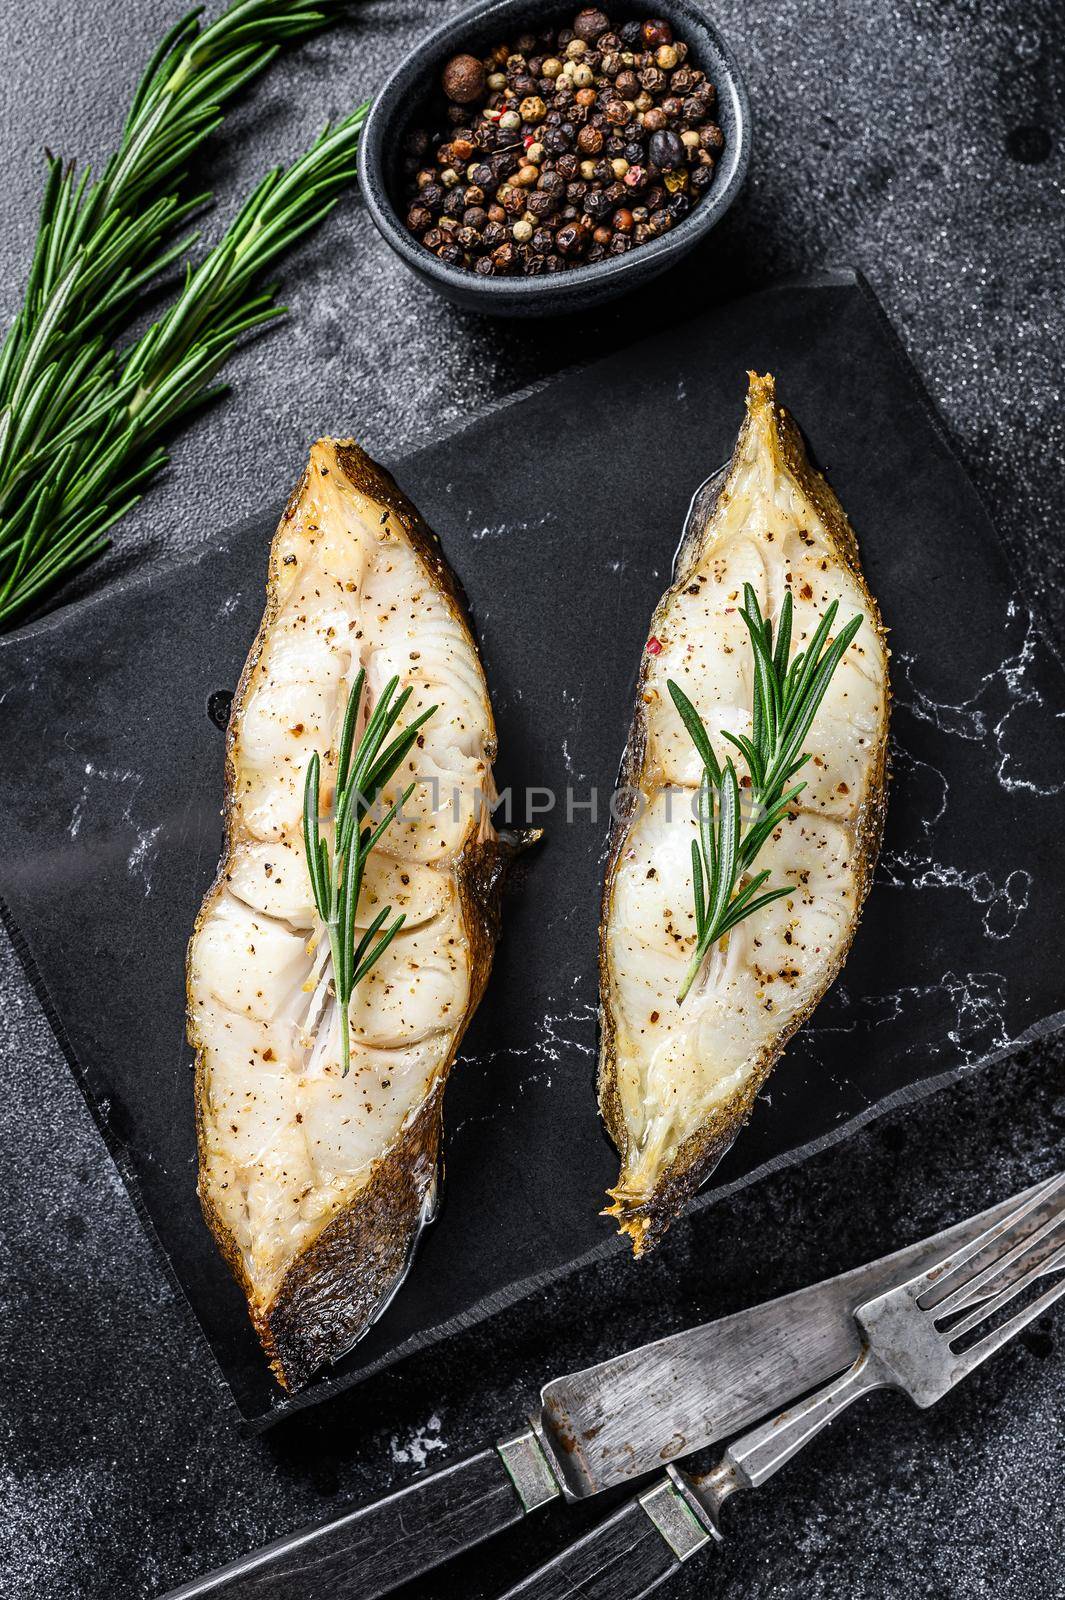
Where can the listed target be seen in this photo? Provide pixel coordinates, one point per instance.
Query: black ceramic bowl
(399, 107)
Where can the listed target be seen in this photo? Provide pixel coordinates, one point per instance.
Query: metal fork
(911, 1336)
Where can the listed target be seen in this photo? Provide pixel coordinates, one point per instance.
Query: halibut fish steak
(677, 1081)
(315, 1185)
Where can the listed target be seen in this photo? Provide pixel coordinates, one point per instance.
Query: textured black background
(922, 142)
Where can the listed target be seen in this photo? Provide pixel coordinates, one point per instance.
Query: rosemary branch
(75, 418)
(336, 881)
(786, 699)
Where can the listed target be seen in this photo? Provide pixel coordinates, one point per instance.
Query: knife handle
(371, 1551)
(630, 1554)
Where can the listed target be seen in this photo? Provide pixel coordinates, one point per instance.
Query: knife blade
(602, 1426)
(627, 1416)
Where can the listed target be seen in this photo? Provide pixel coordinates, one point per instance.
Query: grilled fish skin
(315, 1185)
(676, 1083)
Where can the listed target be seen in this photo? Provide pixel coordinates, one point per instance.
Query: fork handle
(629, 1555)
(756, 1455)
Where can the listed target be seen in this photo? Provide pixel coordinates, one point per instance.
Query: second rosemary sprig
(363, 770)
(785, 701)
(95, 469)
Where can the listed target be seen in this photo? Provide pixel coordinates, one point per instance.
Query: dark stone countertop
(920, 140)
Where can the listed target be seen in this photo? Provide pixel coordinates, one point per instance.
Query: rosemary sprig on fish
(786, 699)
(336, 881)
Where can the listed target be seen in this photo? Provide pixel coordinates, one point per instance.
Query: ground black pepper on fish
(564, 148)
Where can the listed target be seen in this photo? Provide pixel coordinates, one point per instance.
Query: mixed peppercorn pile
(564, 148)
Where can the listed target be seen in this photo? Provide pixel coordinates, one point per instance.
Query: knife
(605, 1425)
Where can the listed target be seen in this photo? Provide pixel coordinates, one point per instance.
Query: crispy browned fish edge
(697, 1157)
(330, 1292)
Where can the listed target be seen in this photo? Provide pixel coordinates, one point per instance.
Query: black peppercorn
(542, 241)
(701, 179)
(590, 23)
(570, 239)
(540, 203)
(666, 150)
(419, 218)
(463, 79)
(711, 138)
(484, 266)
(451, 253)
(432, 195)
(631, 34)
(597, 205)
(679, 206)
(567, 167)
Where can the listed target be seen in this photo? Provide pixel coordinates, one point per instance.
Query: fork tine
(972, 1286)
(987, 1308)
(944, 1272)
(972, 1358)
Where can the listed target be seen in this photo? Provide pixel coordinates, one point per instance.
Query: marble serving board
(560, 513)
